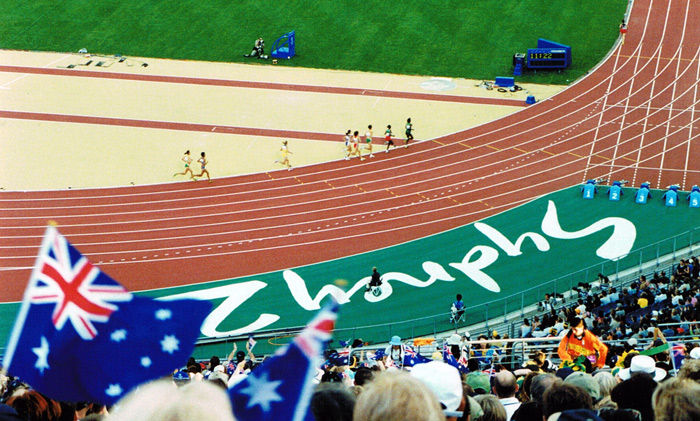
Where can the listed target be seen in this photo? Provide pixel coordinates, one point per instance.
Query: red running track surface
(635, 117)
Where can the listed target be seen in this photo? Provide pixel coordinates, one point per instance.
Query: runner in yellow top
(285, 156)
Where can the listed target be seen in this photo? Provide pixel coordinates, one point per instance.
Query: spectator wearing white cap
(445, 381)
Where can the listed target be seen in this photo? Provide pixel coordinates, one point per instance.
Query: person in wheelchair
(375, 284)
(457, 310)
(258, 50)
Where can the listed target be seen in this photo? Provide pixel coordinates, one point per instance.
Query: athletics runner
(187, 159)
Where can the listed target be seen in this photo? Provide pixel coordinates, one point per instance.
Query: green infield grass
(473, 39)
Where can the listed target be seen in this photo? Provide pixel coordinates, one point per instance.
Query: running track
(635, 117)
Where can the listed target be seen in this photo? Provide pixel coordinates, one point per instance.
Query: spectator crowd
(624, 353)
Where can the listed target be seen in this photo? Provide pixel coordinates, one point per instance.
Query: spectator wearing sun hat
(394, 353)
(643, 364)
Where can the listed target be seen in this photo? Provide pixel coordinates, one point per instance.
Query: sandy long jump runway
(635, 117)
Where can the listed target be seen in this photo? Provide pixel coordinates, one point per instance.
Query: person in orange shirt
(579, 341)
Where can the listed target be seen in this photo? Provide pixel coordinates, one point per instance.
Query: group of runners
(353, 142)
(187, 159)
(352, 148)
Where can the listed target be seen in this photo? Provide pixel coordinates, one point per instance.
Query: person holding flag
(74, 318)
(395, 353)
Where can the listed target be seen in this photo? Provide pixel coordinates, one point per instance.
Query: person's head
(444, 381)
(397, 396)
(578, 327)
(505, 384)
(187, 152)
(213, 362)
(540, 384)
(525, 389)
(369, 127)
(331, 402)
(636, 393)
(284, 143)
(203, 154)
(606, 382)
(395, 342)
(562, 396)
(161, 401)
(493, 409)
(690, 370)
(459, 297)
(374, 269)
(585, 381)
(348, 132)
(677, 399)
(388, 126)
(408, 120)
(357, 133)
(32, 405)
(363, 376)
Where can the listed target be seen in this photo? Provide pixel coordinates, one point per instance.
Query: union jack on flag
(678, 354)
(411, 357)
(66, 277)
(450, 359)
(107, 348)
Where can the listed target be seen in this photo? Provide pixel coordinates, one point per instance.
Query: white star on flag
(170, 344)
(114, 390)
(163, 314)
(42, 353)
(262, 391)
(146, 362)
(118, 335)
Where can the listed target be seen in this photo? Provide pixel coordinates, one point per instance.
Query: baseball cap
(444, 380)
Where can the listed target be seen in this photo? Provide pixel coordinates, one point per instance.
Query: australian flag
(460, 364)
(678, 354)
(281, 388)
(410, 357)
(341, 357)
(81, 336)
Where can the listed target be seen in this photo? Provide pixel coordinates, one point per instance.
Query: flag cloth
(81, 336)
(411, 357)
(450, 359)
(342, 357)
(281, 388)
(677, 355)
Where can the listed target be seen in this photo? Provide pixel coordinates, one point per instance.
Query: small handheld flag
(281, 388)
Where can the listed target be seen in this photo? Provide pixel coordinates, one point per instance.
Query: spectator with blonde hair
(397, 396)
(677, 399)
(163, 401)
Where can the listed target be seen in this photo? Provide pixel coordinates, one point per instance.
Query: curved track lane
(634, 117)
